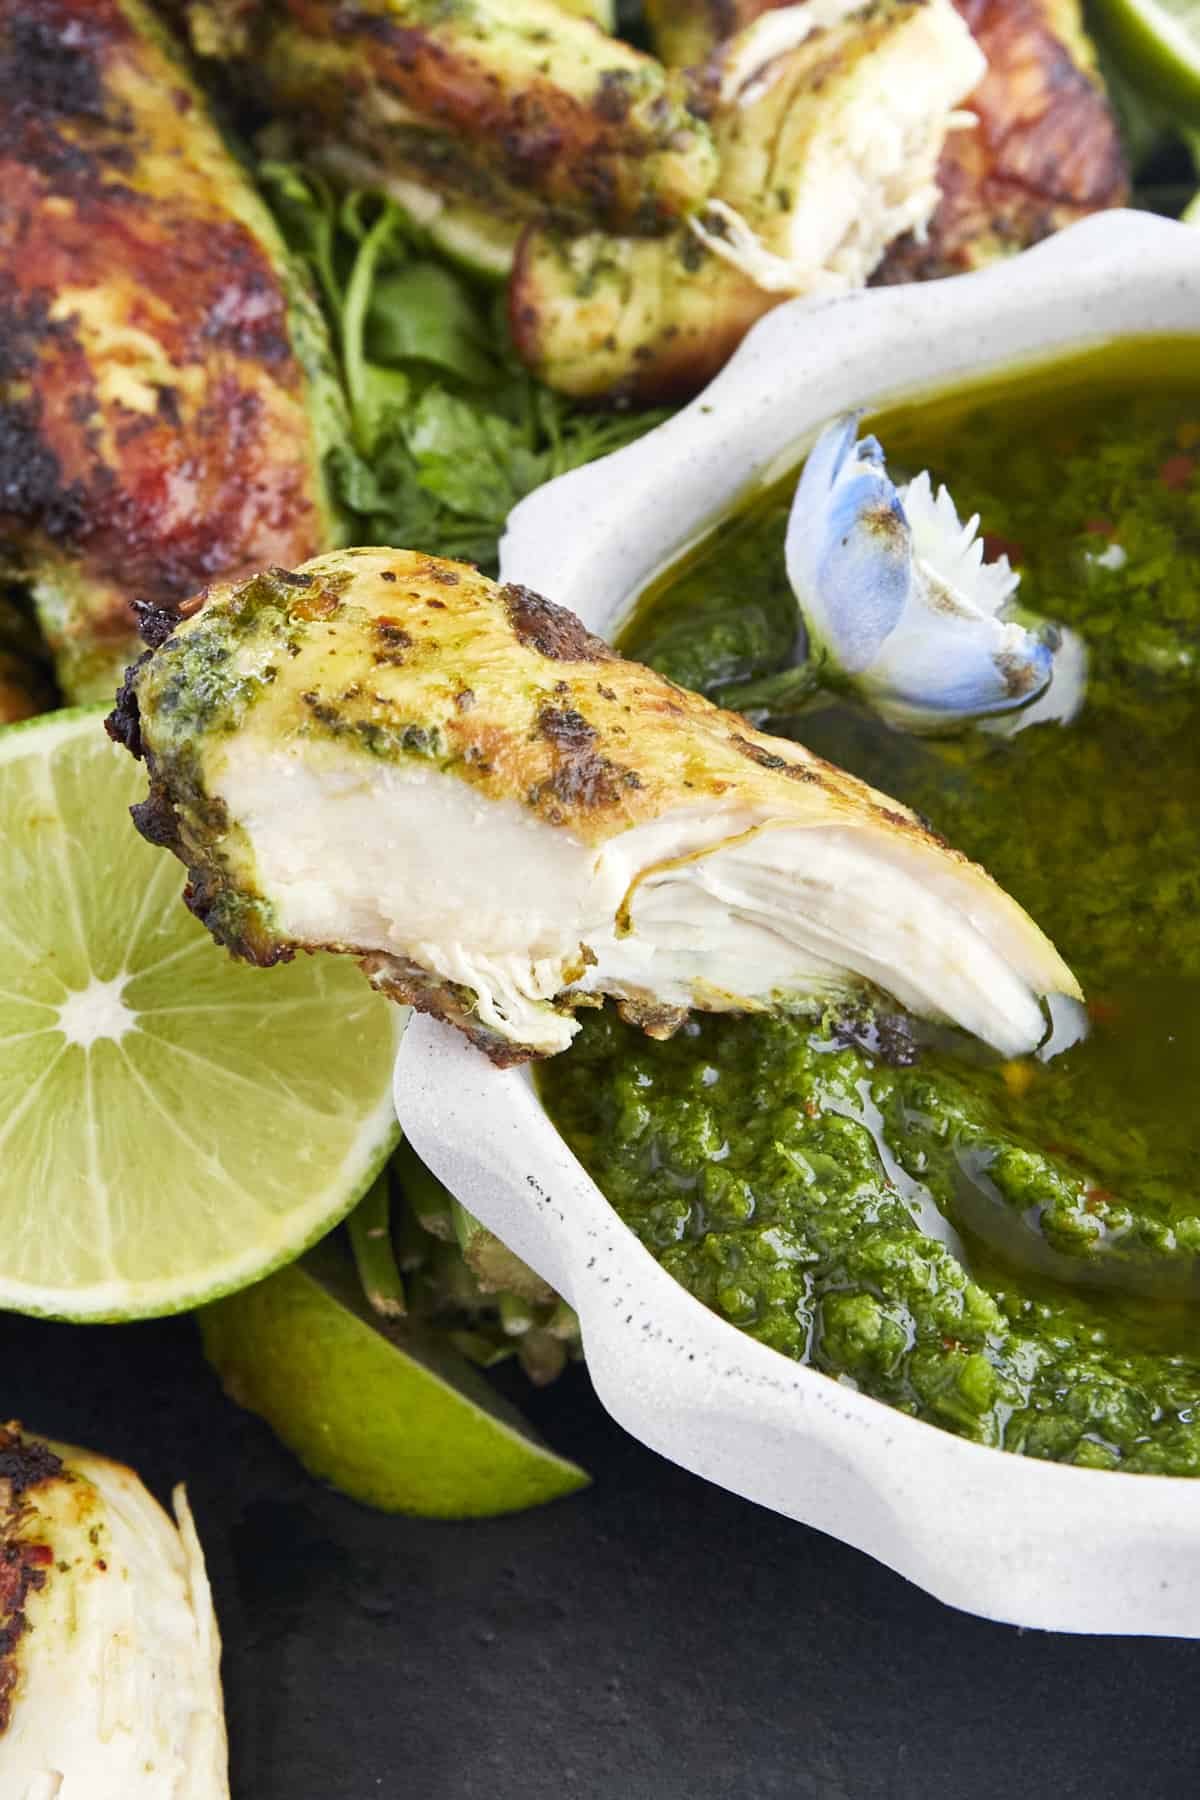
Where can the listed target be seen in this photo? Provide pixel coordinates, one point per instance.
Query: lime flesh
(376, 1408)
(1158, 43)
(172, 1124)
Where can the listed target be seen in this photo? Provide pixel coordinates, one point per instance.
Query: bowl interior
(1034, 1543)
(594, 539)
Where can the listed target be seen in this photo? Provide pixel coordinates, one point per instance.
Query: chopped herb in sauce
(1008, 1251)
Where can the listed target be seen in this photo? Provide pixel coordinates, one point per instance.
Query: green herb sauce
(1009, 1251)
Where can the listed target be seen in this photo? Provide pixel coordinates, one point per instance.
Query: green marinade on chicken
(824, 143)
(477, 114)
(829, 122)
(388, 755)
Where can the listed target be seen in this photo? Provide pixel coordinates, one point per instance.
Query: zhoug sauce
(1011, 1251)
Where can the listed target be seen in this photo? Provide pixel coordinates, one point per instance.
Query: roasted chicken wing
(163, 388)
(388, 755)
(504, 106)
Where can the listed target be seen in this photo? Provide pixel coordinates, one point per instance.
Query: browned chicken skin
(155, 430)
(511, 106)
(1046, 150)
(829, 143)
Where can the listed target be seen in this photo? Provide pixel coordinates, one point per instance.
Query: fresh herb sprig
(421, 1254)
(449, 432)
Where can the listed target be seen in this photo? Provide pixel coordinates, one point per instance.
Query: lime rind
(1158, 47)
(173, 1125)
(98, 1305)
(380, 1410)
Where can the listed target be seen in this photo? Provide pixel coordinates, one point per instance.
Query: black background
(651, 1639)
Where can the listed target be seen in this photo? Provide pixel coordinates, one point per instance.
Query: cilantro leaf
(449, 432)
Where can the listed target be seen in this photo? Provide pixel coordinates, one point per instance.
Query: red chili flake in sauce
(39, 1556)
(1103, 1011)
(1177, 472)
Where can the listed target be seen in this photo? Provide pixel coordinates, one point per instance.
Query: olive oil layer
(1010, 1251)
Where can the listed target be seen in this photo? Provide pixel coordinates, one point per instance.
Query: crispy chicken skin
(510, 105)
(1046, 150)
(388, 755)
(161, 379)
(828, 151)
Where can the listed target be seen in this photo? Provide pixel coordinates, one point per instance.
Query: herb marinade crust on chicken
(1032, 145)
(508, 107)
(829, 140)
(1045, 149)
(648, 209)
(387, 754)
(166, 396)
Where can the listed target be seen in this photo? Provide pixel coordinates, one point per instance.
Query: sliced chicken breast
(389, 755)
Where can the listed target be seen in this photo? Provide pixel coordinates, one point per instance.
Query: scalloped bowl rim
(1003, 1536)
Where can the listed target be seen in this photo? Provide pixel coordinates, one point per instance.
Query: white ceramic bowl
(1033, 1543)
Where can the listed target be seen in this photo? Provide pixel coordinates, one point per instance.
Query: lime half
(380, 1409)
(1158, 44)
(172, 1124)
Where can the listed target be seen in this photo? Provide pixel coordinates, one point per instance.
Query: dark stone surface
(654, 1639)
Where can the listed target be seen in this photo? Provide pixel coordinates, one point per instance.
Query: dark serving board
(652, 1639)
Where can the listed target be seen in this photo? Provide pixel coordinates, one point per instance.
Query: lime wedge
(378, 1409)
(1158, 45)
(172, 1124)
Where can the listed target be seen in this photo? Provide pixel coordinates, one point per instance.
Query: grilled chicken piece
(1046, 151)
(829, 138)
(601, 12)
(26, 681)
(162, 377)
(686, 32)
(648, 320)
(109, 1654)
(508, 105)
(388, 755)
